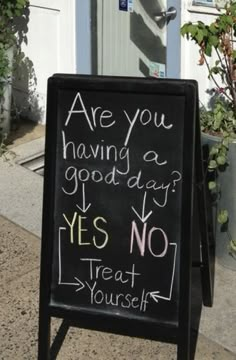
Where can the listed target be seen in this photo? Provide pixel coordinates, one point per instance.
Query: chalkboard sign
(118, 205)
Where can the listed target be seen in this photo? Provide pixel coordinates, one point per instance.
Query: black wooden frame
(192, 173)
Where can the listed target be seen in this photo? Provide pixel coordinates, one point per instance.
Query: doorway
(144, 41)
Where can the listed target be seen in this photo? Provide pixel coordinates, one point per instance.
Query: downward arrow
(84, 208)
(142, 217)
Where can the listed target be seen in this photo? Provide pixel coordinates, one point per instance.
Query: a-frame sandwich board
(122, 164)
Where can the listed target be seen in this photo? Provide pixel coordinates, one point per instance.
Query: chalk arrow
(84, 208)
(78, 284)
(142, 217)
(155, 295)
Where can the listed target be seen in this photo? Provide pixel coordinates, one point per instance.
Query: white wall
(50, 47)
(190, 69)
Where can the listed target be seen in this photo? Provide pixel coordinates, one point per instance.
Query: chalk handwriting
(100, 151)
(177, 178)
(74, 176)
(84, 208)
(152, 156)
(99, 240)
(123, 300)
(106, 273)
(97, 116)
(144, 216)
(160, 236)
(103, 160)
(145, 117)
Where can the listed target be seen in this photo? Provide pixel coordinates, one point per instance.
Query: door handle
(168, 15)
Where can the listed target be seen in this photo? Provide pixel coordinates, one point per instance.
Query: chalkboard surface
(118, 187)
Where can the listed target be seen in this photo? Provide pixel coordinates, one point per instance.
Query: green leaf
(223, 217)
(9, 13)
(232, 245)
(216, 124)
(226, 142)
(221, 160)
(192, 29)
(229, 20)
(23, 2)
(234, 54)
(184, 29)
(213, 28)
(199, 36)
(212, 185)
(214, 41)
(19, 6)
(208, 49)
(212, 165)
(215, 70)
(214, 150)
(17, 12)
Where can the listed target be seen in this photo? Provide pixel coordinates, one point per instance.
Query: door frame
(173, 52)
(83, 37)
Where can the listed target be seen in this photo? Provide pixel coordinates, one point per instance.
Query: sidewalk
(20, 228)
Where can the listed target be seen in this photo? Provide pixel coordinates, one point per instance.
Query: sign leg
(44, 338)
(183, 348)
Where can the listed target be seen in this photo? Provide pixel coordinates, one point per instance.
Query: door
(142, 41)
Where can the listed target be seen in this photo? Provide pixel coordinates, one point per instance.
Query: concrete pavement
(20, 228)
